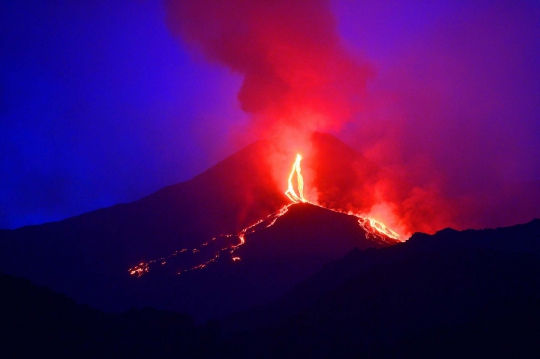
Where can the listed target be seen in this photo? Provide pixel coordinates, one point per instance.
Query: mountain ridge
(272, 261)
(477, 298)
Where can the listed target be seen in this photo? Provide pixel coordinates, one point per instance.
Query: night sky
(103, 102)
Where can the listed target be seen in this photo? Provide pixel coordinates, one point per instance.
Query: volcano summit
(185, 226)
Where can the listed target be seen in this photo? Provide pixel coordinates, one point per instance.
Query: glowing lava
(374, 229)
(290, 192)
(144, 267)
(371, 225)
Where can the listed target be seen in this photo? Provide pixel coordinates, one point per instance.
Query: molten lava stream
(290, 192)
(374, 229)
(229, 249)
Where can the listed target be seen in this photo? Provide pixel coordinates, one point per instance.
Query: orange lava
(372, 225)
(290, 192)
(374, 229)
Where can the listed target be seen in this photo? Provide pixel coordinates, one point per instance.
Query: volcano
(182, 227)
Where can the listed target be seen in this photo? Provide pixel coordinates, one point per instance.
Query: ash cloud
(455, 112)
(451, 108)
(296, 73)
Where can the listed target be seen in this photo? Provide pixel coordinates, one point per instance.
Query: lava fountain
(290, 192)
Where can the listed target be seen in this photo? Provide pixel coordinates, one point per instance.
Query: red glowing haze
(299, 78)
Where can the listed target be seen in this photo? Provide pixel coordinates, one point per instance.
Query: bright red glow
(290, 192)
(296, 72)
(375, 230)
(297, 76)
(370, 225)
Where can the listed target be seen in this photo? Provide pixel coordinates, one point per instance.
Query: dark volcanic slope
(272, 261)
(223, 199)
(520, 239)
(88, 256)
(453, 294)
(36, 322)
(467, 294)
(466, 303)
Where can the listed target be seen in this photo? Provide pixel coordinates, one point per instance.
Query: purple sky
(99, 104)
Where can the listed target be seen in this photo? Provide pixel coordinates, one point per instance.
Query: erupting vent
(290, 192)
(374, 229)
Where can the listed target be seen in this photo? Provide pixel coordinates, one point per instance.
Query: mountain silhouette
(271, 262)
(520, 239)
(465, 294)
(453, 294)
(88, 256)
(39, 322)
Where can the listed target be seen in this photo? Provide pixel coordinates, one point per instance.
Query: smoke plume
(440, 116)
(454, 111)
(296, 73)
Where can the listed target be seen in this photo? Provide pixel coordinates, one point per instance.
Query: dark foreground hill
(452, 294)
(36, 322)
(445, 297)
(463, 294)
(271, 262)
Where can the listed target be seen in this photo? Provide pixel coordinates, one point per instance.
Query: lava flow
(374, 229)
(290, 192)
(144, 267)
